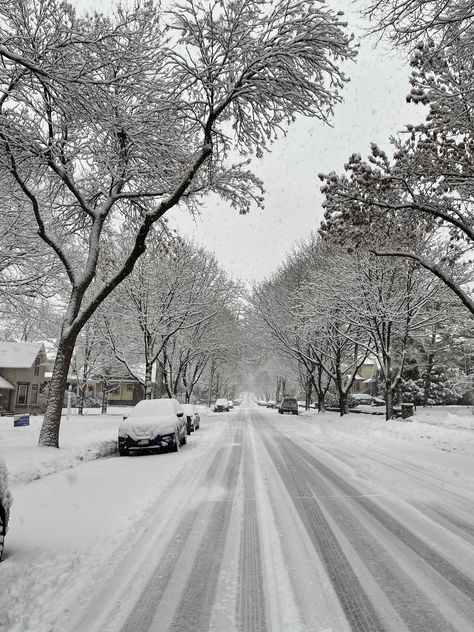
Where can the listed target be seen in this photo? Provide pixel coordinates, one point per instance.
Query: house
(22, 368)
(366, 380)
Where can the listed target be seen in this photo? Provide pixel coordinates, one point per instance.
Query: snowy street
(261, 523)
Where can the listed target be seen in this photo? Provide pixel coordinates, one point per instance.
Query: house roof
(19, 355)
(5, 384)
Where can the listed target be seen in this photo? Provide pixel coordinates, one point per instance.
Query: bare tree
(103, 118)
(407, 22)
(423, 196)
(163, 313)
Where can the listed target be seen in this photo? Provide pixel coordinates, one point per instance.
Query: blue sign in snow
(21, 420)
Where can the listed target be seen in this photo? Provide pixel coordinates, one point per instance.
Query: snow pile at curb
(440, 428)
(82, 439)
(36, 463)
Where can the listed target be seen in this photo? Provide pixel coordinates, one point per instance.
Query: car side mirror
(180, 414)
(125, 417)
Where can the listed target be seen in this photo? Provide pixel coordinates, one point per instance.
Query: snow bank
(446, 428)
(82, 438)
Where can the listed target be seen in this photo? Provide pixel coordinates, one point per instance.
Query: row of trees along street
(414, 211)
(173, 326)
(325, 312)
(109, 121)
(418, 203)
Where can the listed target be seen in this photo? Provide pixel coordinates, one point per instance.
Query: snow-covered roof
(19, 355)
(5, 384)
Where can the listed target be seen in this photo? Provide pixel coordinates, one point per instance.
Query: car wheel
(185, 439)
(2, 534)
(123, 451)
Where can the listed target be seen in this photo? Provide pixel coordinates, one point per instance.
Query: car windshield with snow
(153, 424)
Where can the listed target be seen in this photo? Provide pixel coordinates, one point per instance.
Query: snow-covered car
(153, 424)
(288, 405)
(230, 404)
(361, 398)
(271, 403)
(5, 504)
(221, 405)
(193, 420)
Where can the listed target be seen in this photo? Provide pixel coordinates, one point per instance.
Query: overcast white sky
(252, 246)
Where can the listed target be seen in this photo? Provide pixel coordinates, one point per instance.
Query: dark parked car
(193, 420)
(153, 424)
(288, 405)
(221, 405)
(5, 503)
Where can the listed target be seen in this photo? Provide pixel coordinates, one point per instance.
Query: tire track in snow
(463, 528)
(251, 597)
(143, 613)
(411, 603)
(194, 611)
(357, 607)
(436, 560)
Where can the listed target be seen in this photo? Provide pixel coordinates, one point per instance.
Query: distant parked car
(193, 420)
(5, 503)
(153, 424)
(236, 402)
(288, 405)
(271, 404)
(221, 405)
(261, 402)
(361, 398)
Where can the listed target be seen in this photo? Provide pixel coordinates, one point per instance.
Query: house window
(37, 365)
(22, 394)
(34, 394)
(130, 388)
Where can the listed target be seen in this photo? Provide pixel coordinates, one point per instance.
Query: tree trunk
(105, 396)
(427, 380)
(308, 393)
(388, 401)
(343, 403)
(82, 396)
(321, 402)
(148, 393)
(49, 435)
(211, 380)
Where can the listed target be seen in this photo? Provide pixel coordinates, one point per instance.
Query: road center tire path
(250, 614)
(305, 475)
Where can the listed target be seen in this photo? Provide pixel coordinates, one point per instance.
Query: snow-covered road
(261, 523)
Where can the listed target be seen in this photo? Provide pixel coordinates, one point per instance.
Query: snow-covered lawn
(69, 529)
(83, 438)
